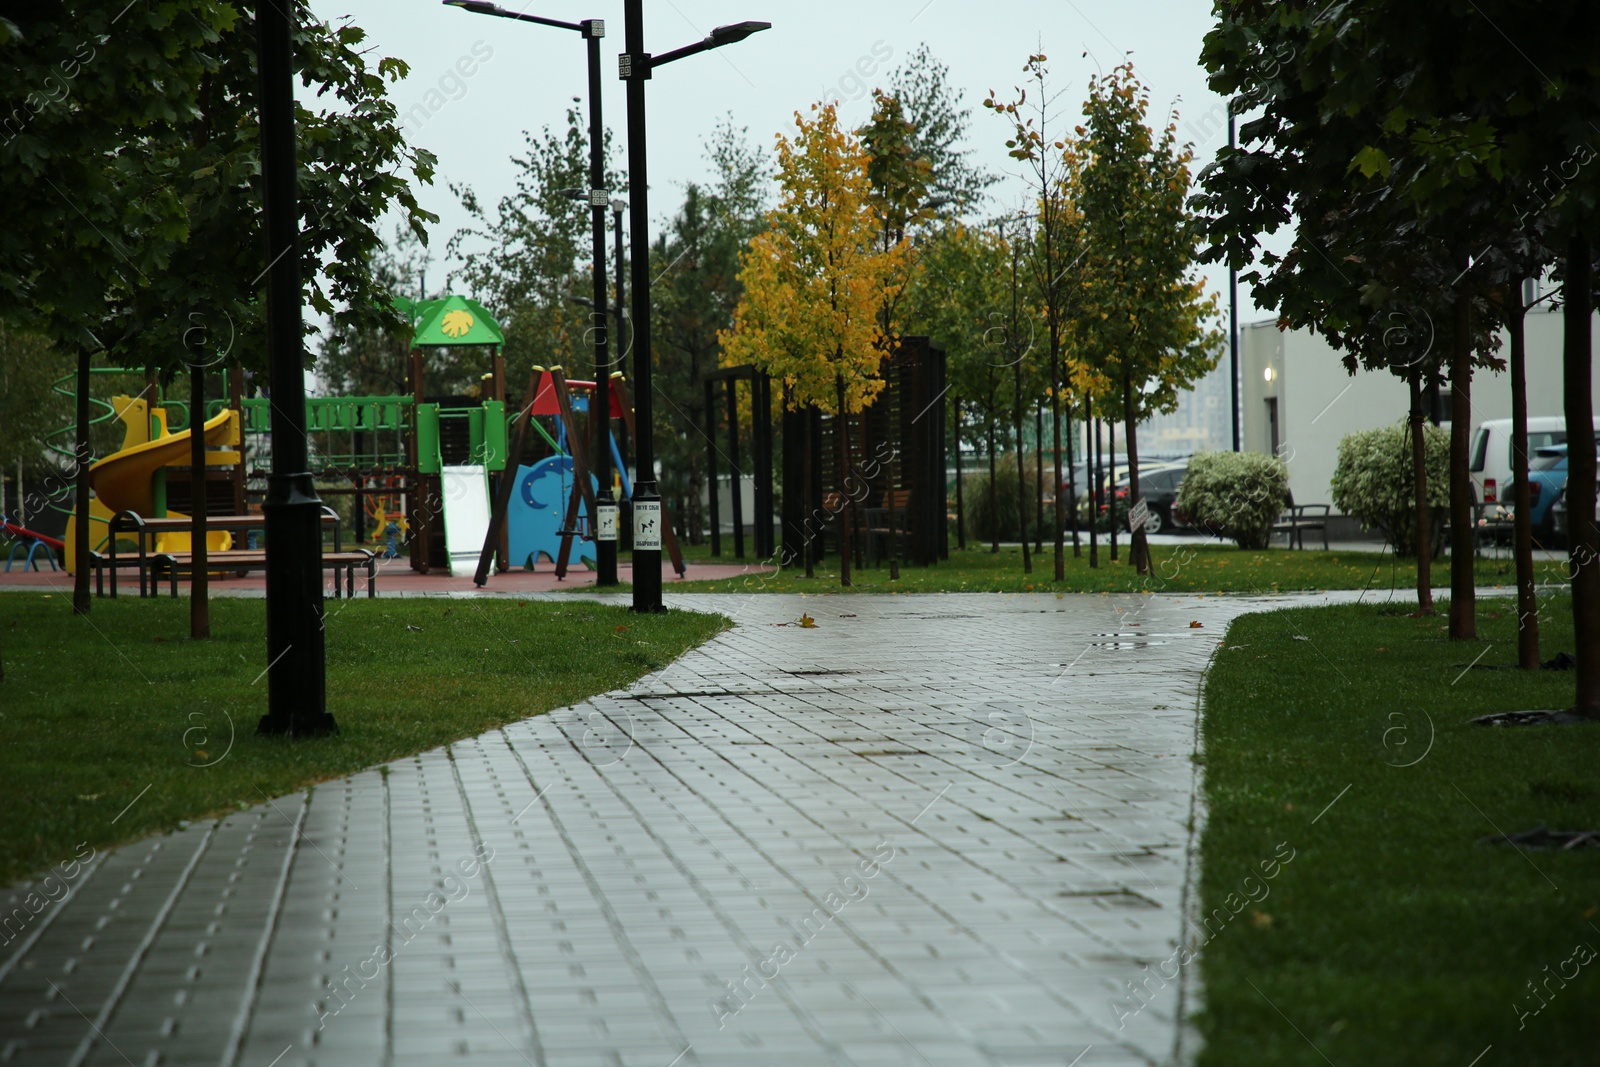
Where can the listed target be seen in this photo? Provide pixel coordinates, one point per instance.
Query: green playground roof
(453, 320)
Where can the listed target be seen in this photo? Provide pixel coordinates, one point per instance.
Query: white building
(1299, 400)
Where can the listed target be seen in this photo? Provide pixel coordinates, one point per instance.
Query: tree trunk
(894, 516)
(841, 427)
(199, 580)
(994, 495)
(1111, 485)
(1071, 491)
(1138, 544)
(810, 499)
(1463, 592)
(1583, 538)
(1522, 520)
(80, 528)
(1092, 455)
(961, 503)
(1419, 483)
(1038, 478)
(1055, 418)
(866, 495)
(1022, 475)
(695, 513)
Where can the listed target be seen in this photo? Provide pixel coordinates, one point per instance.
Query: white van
(1490, 452)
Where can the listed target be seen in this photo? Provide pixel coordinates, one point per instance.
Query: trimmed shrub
(1239, 494)
(1372, 482)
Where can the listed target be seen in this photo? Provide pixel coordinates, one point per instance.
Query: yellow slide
(125, 480)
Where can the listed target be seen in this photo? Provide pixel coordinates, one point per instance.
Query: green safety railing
(486, 432)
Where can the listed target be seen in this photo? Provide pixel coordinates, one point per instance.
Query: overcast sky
(523, 76)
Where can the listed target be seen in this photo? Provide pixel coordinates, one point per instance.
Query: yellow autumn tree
(815, 285)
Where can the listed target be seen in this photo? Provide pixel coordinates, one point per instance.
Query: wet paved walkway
(937, 830)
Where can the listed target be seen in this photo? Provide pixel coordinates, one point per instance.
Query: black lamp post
(617, 208)
(635, 66)
(605, 517)
(296, 679)
(1233, 324)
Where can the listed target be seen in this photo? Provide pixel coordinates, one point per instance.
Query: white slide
(466, 515)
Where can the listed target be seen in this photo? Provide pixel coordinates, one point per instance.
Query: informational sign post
(647, 525)
(606, 522)
(1137, 515)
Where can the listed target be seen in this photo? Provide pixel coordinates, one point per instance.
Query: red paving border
(396, 576)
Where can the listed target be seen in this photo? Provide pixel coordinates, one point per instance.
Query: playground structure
(464, 485)
(32, 543)
(430, 473)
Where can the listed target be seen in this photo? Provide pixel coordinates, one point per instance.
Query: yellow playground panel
(125, 480)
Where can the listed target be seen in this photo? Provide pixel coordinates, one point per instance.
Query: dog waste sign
(1137, 515)
(647, 525)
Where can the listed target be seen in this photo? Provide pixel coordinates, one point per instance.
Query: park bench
(889, 521)
(242, 560)
(148, 562)
(1296, 519)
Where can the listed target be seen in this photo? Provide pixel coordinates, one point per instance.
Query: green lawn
(94, 710)
(1198, 568)
(1394, 935)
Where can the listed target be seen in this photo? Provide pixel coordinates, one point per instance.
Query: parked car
(1547, 478)
(1159, 488)
(1490, 451)
(1158, 485)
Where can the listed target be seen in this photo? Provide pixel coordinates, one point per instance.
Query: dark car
(1159, 488)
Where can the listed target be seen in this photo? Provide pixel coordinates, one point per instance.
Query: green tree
(375, 360)
(536, 251)
(1386, 168)
(152, 137)
(696, 262)
(938, 126)
(30, 408)
(1144, 315)
(1058, 240)
(956, 297)
(815, 284)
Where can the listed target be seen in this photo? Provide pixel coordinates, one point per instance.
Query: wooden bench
(256, 559)
(141, 529)
(1296, 519)
(889, 521)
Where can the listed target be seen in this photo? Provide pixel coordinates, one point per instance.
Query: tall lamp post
(636, 66)
(1233, 324)
(605, 517)
(296, 667)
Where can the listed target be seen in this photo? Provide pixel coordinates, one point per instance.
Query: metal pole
(296, 689)
(1233, 326)
(646, 496)
(600, 403)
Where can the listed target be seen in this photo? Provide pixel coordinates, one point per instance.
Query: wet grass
(1395, 934)
(116, 725)
(1183, 568)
